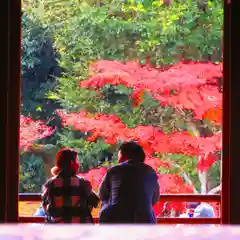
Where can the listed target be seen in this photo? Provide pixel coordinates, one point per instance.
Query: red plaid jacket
(68, 198)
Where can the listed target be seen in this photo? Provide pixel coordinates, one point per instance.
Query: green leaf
(52, 96)
(39, 108)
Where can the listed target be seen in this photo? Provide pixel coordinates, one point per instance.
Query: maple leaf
(31, 130)
(199, 99)
(195, 85)
(156, 163)
(214, 115)
(172, 184)
(132, 74)
(192, 86)
(151, 139)
(206, 161)
(94, 176)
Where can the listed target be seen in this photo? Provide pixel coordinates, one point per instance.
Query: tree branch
(203, 180)
(216, 189)
(185, 176)
(47, 154)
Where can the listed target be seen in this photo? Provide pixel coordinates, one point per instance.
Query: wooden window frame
(9, 171)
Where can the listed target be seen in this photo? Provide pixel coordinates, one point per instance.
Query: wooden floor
(73, 232)
(28, 208)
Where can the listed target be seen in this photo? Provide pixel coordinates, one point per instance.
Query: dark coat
(128, 192)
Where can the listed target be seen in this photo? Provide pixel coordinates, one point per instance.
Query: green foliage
(129, 31)
(31, 174)
(182, 163)
(39, 69)
(133, 31)
(83, 32)
(90, 153)
(215, 174)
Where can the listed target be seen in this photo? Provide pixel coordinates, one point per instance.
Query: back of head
(192, 205)
(65, 160)
(132, 151)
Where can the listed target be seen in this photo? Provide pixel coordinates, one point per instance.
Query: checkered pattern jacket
(68, 198)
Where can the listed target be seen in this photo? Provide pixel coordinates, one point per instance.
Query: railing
(163, 198)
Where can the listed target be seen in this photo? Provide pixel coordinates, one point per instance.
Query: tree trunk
(47, 154)
(167, 2)
(202, 5)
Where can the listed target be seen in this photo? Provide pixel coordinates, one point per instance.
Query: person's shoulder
(116, 169)
(149, 171)
(118, 166)
(81, 178)
(50, 181)
(83, 181)
(122, 165)
(149, 168)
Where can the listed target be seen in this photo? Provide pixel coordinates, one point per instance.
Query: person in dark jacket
(129, 189)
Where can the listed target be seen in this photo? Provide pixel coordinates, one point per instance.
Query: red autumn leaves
(95, 176)
(152, 139)
(192, 86)
(31, 131)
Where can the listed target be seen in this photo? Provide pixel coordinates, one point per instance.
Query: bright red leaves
(192, 86)
(152, 139)
(206, 161)
(31, 130)
(94, 176)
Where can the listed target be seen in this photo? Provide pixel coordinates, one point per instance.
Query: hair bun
(55, 171)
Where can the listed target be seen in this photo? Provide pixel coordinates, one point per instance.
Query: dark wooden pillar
(3, 104)
(231, 116)
(10, 111)
(225, 198)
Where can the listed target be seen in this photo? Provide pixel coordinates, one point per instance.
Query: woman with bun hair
(66, 160)
(68, 198)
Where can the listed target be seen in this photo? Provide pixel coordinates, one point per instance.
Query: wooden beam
(225, 199)
(188, 220)
(159, 220)
(234, 123)
(163, 198)
(231, 115)
(29, 197)
(12, 113)
(3, 102)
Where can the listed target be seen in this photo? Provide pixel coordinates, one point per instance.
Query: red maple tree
(192, 86)
(152, 139)
(31, 131)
